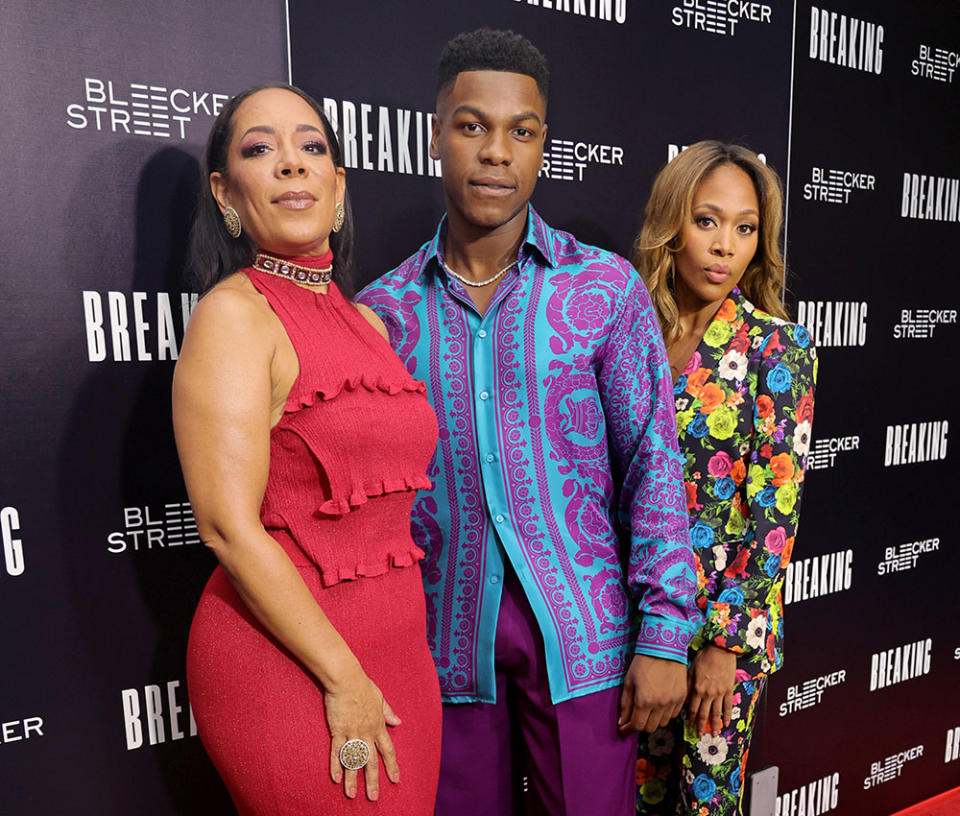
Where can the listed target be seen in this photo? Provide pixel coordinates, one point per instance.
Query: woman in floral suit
(743, 382)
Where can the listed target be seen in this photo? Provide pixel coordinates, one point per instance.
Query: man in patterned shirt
(558, 511)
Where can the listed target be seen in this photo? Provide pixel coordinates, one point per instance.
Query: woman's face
(721, 238)
(280, 177)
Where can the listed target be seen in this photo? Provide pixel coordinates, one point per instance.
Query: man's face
(488, 133)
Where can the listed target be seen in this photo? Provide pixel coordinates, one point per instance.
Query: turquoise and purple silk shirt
(557, 454)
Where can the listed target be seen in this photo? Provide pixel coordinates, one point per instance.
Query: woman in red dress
(302, 440)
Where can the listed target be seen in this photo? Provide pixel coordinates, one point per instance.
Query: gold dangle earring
(338, 217)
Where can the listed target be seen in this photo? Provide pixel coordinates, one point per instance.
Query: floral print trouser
(680, 773)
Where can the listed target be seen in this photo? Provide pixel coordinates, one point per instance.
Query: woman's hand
(711, 679)
(356, 710)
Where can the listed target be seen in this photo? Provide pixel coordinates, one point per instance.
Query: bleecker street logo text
(898, 665)
(891, 767)
(915, 442)
(835, 186)
(920, 323)
(815, 799)
(847, 41)
(141, 109)
(935, 63)
(606, 10)
(566, 160)
(811, 692)
(16, 730)
(905, 557)
(140, 323)
(823, 454)
(719, 16)
(930, 198)
(12, 545)
(143, 530)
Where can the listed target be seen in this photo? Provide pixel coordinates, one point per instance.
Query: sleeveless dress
(346, 459)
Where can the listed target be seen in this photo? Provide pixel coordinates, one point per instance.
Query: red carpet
(946, 804)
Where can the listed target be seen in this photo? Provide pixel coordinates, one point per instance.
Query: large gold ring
(354, 754)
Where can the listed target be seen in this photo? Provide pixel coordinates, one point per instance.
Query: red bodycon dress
(346, 460)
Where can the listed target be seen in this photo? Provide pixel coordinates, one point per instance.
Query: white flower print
(682, 403)
(719, 557)
(733, 366)
(734, 713)
(756, 632)
(801, 439)
(712, 750)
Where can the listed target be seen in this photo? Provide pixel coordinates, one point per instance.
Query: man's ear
(434, 137)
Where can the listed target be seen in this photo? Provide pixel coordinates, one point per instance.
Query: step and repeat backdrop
(105, 110)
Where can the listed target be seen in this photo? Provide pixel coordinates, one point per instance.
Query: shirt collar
(539, 237)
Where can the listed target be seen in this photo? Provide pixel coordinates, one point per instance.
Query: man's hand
(713, 676)
(653, 693)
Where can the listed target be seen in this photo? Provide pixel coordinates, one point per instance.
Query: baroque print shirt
(744, 411)
(557, 456)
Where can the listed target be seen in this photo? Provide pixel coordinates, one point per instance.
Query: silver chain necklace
(487, 282)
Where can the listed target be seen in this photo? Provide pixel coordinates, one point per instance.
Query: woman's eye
(315, 147)
(257, 149)
(748, 229)
(703, 221)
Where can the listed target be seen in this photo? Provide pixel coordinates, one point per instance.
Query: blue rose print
(704, 787)
(779, 378)
(701, 535)
(724, 488)
(698, 427)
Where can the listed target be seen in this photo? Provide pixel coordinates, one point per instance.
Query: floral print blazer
(744, 410)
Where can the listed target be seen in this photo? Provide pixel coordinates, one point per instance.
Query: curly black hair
(488, 49)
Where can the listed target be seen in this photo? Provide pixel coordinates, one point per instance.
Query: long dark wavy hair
(213, 253)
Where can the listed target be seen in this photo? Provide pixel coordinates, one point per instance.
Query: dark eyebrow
(258, 129)
(481, 115)
(271, 131)
(717, 209)
(528, 115)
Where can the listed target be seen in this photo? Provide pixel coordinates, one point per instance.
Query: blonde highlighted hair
(668, 211)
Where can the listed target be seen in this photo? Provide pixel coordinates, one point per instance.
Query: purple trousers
(525, 755)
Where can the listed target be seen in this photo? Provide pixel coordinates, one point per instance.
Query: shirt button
(482, 333)
(494, 579)
(499, 518)
(484, 395)
(489, 457)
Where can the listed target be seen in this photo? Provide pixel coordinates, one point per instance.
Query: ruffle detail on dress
(368, 382)
(362, 494)
(407, 557)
